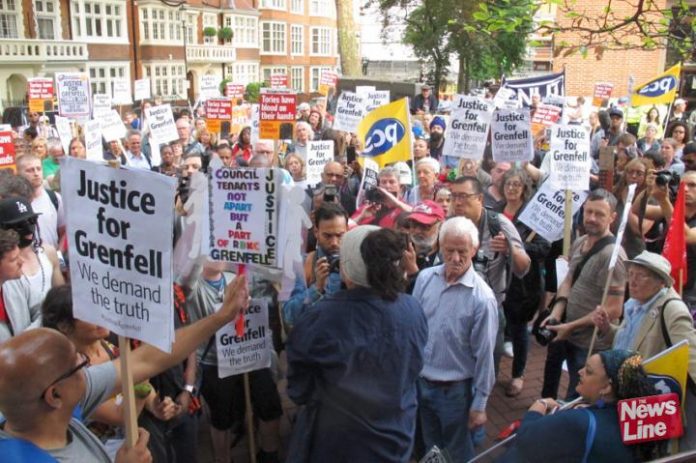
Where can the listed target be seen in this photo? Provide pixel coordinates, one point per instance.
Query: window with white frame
(315, 75)
(274, 4)
(246, 30)
(322, 41)
(244, 73)
(267, 72)
(210, 21)
(166, 80)
(297, 6)
(296, 40)
(297, 78)
(48, 19)
(273, 38)
(100, 20)
(10, 18)
(102, 76)
(326, 8)
(159, 24)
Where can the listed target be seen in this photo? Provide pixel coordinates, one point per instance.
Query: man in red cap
(424, 225)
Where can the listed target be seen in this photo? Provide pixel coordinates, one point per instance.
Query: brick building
(172, 43)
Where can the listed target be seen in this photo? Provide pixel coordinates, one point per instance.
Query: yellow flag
(671, 362)
(386, 133)
(660, 90)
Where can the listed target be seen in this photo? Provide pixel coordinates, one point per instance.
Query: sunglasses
(84, 363)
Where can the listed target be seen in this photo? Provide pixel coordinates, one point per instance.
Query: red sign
(7, 150)
(602, 92)
(40, 88)
(218, 109)
(234, 90)
(279, 81)
(655, 417)
(328, 78)
(277, 115)
(546, 114)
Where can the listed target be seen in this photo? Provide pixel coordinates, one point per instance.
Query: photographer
(321, 269)
(332, 188)
(383, 204)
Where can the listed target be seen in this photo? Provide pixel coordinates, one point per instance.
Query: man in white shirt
(135, 156)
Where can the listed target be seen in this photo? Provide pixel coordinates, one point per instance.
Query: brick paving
(502, 410)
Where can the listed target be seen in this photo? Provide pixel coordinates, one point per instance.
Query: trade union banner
(543, 86)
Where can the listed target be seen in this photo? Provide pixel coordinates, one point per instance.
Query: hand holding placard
(236, 299)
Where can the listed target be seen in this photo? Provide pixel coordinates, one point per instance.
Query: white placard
(622, 225)
(244, 216)
(73, 93)
(210, 86)
(250, 352)
(545, 212)
(112, 126)
(319, 153)
(375, 99)
(503, 96)
(121, 91)
(93, 141)
(570, 157)
(101, 105)
(364, 89)
(120, 265)
(161, 121)
(511, 136)
(255, 115)
(561, 270)
(467, 129)
(142, 89)
(350, 110)
(64, 132)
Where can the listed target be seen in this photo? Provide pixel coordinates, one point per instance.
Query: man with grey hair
(51, 164)
(135, 157)
(384, 205)
(458, 374)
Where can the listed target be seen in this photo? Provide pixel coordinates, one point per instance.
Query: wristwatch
(190, 388)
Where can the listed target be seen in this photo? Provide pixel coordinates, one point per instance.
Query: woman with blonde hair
(39, 147)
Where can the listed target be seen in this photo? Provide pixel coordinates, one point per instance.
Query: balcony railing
(210, 53)
(28, 50)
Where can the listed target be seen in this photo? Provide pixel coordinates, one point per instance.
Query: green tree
(348, 46)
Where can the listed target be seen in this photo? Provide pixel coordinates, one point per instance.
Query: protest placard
(40, 94)
(375, 99)
(142, 89)
(319, 153)
(277, 115)
(209, 86)
(602, 93)
(545, 212)
(7, 150)
(279, 81)
(112, 127)
(369, 181)
(65, 133)
(120, 267)
(467, 129)
(121, 92)
(255, 115)
(241, 117)
(504, 96)
(570, 157)
(250, 352)
(350, 110)
(364, 89)
(244, 216)
(216, 111)
(650, 418)
(73, 94)
(101, 104)
(162, 126)
(545, 116)
(327, 81)
(93, 141)
(234, 90)
(511, 136)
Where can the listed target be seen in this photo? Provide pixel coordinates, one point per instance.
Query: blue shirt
(634, 312)
(462, 325)
(353, 361)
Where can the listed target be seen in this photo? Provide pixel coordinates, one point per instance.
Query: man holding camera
(321, 268)
(570, 323)
(383, 205)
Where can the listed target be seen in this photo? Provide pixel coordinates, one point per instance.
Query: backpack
(53, 196)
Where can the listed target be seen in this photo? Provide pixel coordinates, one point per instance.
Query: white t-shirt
(50, 219)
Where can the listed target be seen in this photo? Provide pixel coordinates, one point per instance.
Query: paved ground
(502, 410)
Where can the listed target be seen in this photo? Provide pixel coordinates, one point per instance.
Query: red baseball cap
(427, 212)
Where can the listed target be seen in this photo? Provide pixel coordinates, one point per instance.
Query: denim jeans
(499, 340)
(444, 415)
(576, 358)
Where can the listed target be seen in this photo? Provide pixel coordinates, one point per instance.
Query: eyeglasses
(635, 173)
(84, 363)
(514, 185)
(462, 196)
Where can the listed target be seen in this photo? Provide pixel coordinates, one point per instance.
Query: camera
(330, 193)
(666, 177)
(183, 188)
(334, 263)
(544, 336)
(374, 195)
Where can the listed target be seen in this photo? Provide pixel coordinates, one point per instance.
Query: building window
(267, 72)
(273, 38)
(322, 43)
(273, 4)
(326, 8)
(48, 19)
(315, 72)
(297, 6)
(297, 78)
(10, 18)
(101, 77)
(244, 73)
(246, 30)
(98, 19)
(297, 40)
(210, 20)
(158, 24)
(166, 80)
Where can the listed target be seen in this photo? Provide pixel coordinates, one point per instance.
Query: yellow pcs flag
(386, 133)
(660, 90)
(672, 362)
